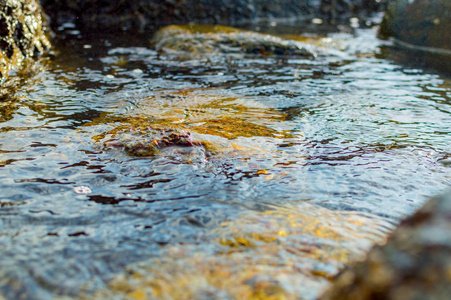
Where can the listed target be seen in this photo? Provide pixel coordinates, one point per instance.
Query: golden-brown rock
(414, 264)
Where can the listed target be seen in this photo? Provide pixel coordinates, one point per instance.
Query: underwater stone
(201, 40)
(22, 34)
(414, 264)
(150, 141)
(183, 146)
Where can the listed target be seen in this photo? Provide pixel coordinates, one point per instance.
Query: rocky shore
(24, 33)
(145, 15)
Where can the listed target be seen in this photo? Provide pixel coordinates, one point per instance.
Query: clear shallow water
(318, 159)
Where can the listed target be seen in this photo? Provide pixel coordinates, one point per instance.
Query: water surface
(319, 159)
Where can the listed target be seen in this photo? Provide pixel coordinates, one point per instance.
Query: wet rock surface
(178, 145)
(150, 141)
(414, 264)
(206, 40)
(421, 23)
(22, 34)
(421, 29)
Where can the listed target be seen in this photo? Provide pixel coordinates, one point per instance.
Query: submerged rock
(193, 125)
(157, 141)
(22, 34)
(150, 141)
(182, 145)
(266, 252)
(414, 264)
(211, 40)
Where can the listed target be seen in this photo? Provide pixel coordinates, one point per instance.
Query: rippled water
(315, 160)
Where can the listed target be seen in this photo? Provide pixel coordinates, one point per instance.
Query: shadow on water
(293, 167)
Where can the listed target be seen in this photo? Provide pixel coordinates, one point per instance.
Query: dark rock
(22, 34)
(422, 23)
(414, 264)
(144, 15)
(421, 30)
(336, 10)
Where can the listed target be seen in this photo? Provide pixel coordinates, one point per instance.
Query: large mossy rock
(22, 34)
(424, 23)
(414, 264)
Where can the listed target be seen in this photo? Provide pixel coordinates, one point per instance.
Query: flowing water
(313, 161)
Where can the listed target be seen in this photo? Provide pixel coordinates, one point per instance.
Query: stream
(314, 160)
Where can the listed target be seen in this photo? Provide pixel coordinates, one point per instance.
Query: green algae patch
(271, 254)
(194, 41)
